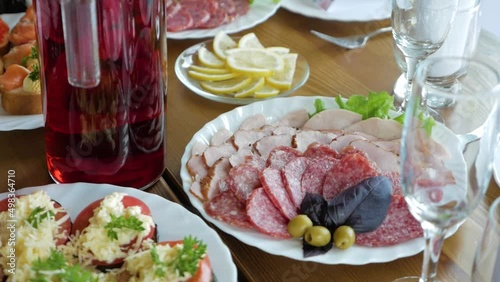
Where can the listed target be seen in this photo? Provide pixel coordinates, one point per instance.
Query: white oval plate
(187, 58)
(496, 166)
(342, 10)
(259, 12)
(174, 222)
(14, 122)
(273, 110)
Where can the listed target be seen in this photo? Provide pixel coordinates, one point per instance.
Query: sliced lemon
(208, 70)
(249, 40)
(226, 86)
(266, 91)
(283, 80)
(279, 50)
(211, 77)
(250, 89)
(254, 62)
(223, 42)
(209, 59)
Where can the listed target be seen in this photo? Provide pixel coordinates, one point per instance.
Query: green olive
(317, 236)
(344, 237)
(298, 225)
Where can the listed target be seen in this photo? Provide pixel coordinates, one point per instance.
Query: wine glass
(444, 171)
(419, 28)
(461, 41)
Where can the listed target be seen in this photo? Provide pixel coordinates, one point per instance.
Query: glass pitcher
(103, 75)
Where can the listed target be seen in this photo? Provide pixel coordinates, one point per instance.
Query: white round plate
(187, 58)
(13, 122)
(260, 10)
(496, 166)
(342, 10)
(174, 221)
(273, 110)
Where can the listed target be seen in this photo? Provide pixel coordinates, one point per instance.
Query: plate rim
(217, 248)
(405, 249)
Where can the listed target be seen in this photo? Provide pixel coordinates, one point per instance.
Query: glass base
(399, 91)
(408, 279)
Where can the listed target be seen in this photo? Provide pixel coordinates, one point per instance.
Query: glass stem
(434, 238)
(411, 67)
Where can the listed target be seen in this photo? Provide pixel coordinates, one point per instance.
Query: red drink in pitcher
(113, 132)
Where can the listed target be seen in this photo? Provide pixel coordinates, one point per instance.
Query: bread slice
(20, 102)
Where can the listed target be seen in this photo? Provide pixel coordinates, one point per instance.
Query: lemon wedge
(226, 86)
(266, 91)
(254, 62)
(250, 89)
(283, 80)
(208, 70)
(279, 50)
(221, 43)
(209, 59)
(211, 77)
(250, 40)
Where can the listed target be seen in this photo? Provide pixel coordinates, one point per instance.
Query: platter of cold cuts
(204, 18)
(253, 170)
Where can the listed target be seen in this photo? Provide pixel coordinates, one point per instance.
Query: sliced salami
(347, 172)
(227, 208)
(314, 175)
(173, 8)
(292, 175)
(280, 156)
(180, 21)
(243, 179)
(272, 183)
(398, 226)
(200, 16)
(317, 149)
(264, 216)
(241, 7)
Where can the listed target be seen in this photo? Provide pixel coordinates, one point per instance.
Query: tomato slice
(83, 220)
(64, 227)
(204, 272)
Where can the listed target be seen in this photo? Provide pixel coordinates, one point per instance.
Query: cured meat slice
(210, 6)
(332, 119)
(280, 156)
(244, 139)
(214, 153)
(344, 140)
(272, 183)
(241, 7)
(180, 21)
(398, 226)
(347, 172)
(294, 119)
(173, 7)
(304, 138)
(395, 180)
(264, 216)
(318, 149)
(210, 183)
(220, 137)
(385, 129)
(314, 175)
(200, 16)
(243, 179)
(217, 19)
(253, 122)
(267, 143)
(227, 208)
(385, 160)
(292, 175)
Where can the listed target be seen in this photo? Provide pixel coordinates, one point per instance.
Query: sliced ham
(332, 119)
(196, 167)
(220, 137)
(253, 122)
(344, 140)
(385, 129)
(247, 138)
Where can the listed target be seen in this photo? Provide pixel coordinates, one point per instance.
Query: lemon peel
(209, 59)
(266, 91)
(211, 77)
(221, 43)
(283, 80)
(226, 86)
(250, 40)
(209, 70)
(254, 62)
(255, 85)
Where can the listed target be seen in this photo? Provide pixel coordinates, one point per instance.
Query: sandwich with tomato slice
(34, 226)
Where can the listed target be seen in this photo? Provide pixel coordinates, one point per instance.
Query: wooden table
(333, 71)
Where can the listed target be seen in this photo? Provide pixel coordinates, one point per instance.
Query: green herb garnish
(39, 214)
(35, 73)
(319, 106)
(33, 55)
(186, 260)
(55, 266)
(376, 104)
(130, 222)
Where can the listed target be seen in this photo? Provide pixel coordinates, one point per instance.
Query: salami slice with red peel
(280, 156)
(180, 21)
(314, 175)
(292, 175)
(264, 216)
(227, 208)
(349, 171)
(243, 179)
(398, 226)
(272, 183)
(317, 149)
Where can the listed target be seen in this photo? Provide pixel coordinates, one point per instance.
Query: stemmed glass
(444, 171)
(419, 28)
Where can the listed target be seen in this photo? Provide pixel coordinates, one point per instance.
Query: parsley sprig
(38, 215)
(186, 259)
(60, 269)
(122, 222)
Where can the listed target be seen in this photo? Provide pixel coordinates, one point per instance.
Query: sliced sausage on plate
(272, 183)
(314, 175)
(227, 208)
(292, 175)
